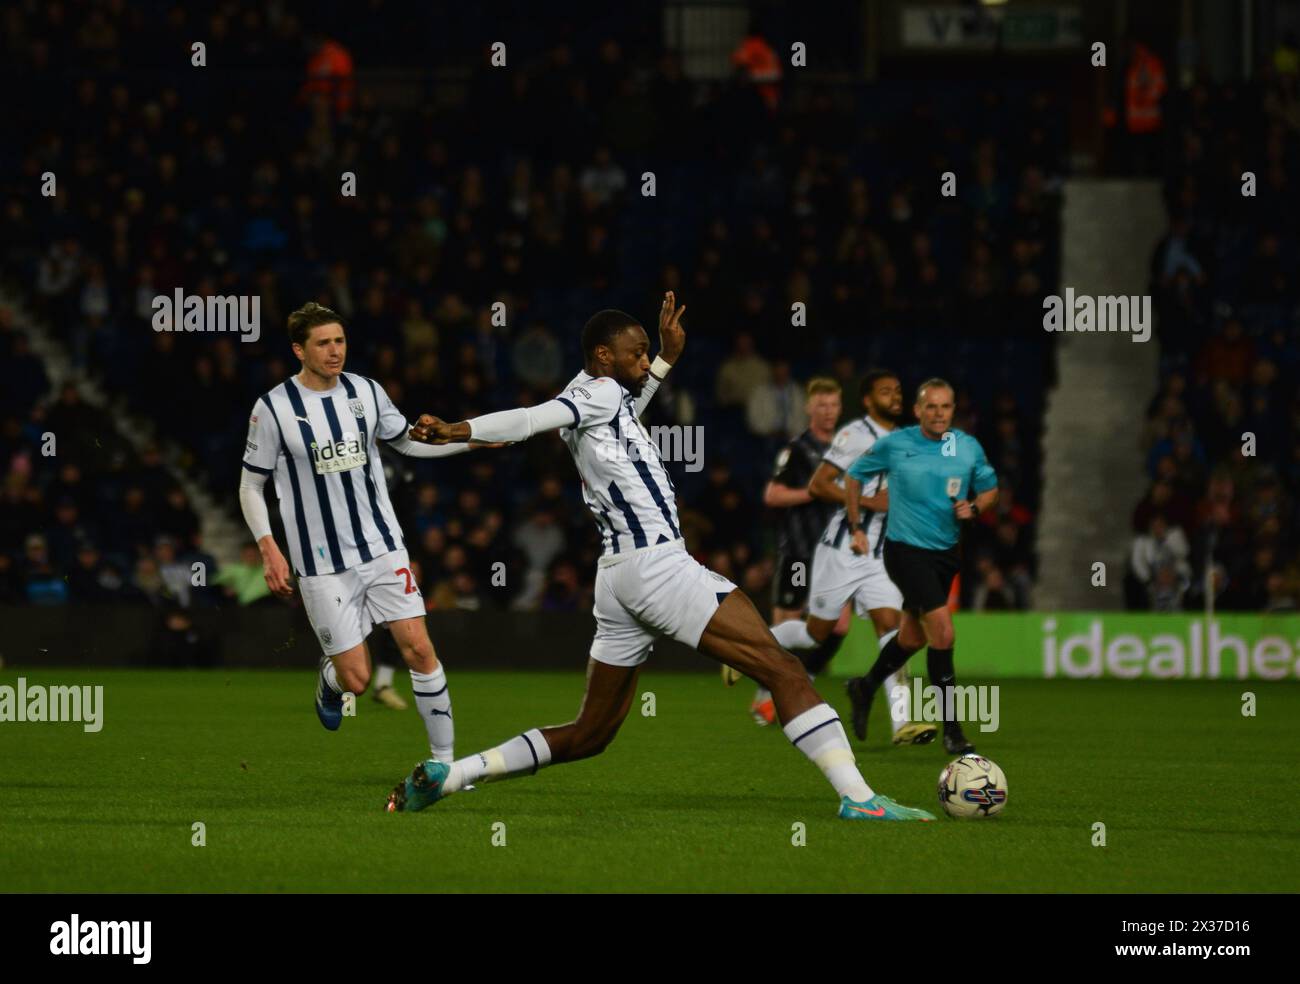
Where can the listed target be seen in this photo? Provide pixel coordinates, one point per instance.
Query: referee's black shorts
(923, 576)
(790, 582)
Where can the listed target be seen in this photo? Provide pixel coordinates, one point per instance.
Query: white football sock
(818, 733)
(794, 635)
(331, 677)
(896, 681)
(522, 755)
(433, 701)
(383, 676)
(899, 696)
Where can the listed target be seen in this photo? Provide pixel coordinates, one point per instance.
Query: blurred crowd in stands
(800, 224)
(1223, 435)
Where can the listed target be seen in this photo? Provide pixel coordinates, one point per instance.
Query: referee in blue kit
(932, 470)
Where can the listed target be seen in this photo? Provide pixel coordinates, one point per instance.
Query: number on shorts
(410, 584)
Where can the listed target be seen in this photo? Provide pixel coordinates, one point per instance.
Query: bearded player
(647, 585)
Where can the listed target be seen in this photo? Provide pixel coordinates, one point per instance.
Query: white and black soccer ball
(972, 786)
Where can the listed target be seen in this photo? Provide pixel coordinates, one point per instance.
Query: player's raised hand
(672, 337)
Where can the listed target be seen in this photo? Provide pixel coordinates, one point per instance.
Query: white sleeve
(252, 502)
(524, 422)
(844, 450)
(417, 449)
(594, 401)
(263, 445)
(647, 391)
(392, 424)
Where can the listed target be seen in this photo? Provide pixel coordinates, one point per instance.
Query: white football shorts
(343, 608)
(655, 591)
(840, 575)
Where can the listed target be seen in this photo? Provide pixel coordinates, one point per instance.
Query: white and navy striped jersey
(321, 447)
(852, 441)
(624, 482)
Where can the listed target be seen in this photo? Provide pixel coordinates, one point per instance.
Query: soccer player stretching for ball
(647, 585)
(317, 433)
(931, 470)
(841, 574)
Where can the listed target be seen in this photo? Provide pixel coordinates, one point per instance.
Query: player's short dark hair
(871, 377)
(932, 383)
(310, 315)
(603, 327)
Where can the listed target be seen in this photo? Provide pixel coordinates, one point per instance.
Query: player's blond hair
(822, 384)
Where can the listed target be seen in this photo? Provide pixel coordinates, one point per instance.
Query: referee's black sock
(815, 660)
(890, 660)
(939, 663)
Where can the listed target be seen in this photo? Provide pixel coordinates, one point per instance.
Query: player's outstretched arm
(392, 421)
(403, 444)
(506, 426)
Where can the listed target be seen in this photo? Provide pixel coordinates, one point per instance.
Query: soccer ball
(972, 786)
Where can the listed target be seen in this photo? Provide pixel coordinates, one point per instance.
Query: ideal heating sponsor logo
(1193, 652)
(338, 456)
(75, 938)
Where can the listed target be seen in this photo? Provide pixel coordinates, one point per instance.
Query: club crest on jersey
(954, 486)
(358, 409)
(342, 455)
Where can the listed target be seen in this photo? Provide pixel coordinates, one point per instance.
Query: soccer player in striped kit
(647, 585)
(317, 433)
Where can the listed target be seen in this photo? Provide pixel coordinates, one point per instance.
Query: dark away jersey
(801, 526)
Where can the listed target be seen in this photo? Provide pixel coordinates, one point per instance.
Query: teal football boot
(880, 807)
(423, 787)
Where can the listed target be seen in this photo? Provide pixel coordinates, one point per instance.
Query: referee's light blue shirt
(925, 478)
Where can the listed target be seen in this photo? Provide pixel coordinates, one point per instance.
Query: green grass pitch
(1194, 796)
